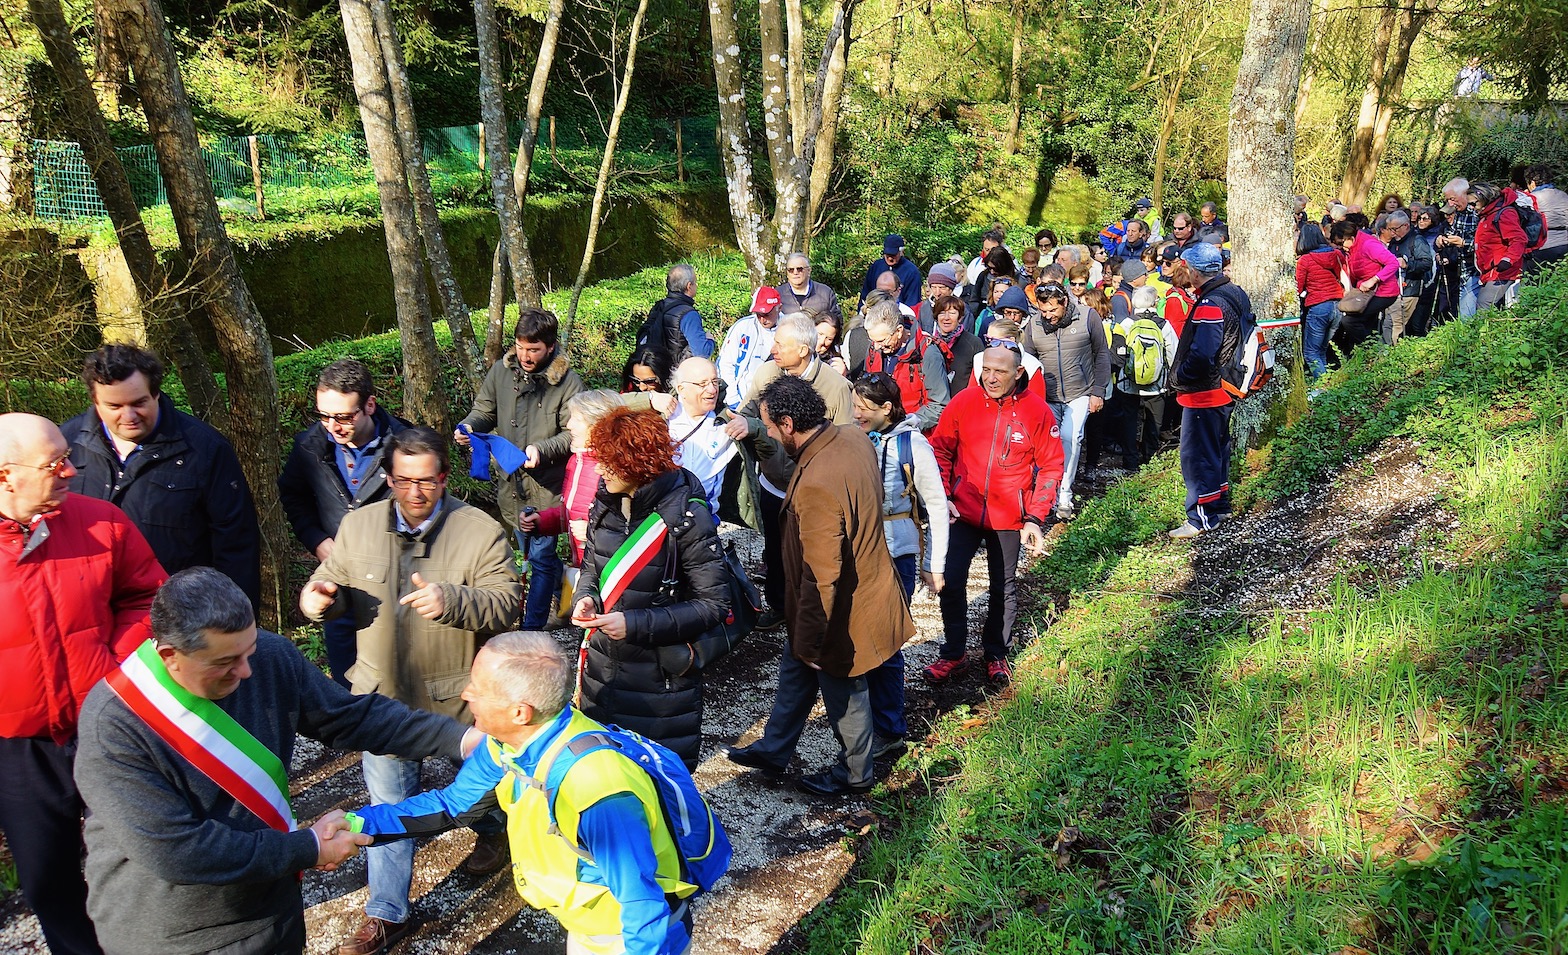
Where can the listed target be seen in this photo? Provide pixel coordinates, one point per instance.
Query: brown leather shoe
(490, 853)
(376, 935)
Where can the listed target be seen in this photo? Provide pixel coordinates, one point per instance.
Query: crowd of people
(877, 448)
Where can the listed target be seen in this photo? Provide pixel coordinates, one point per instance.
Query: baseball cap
(765, 301)
(1144, 203)
(893, 244)
(1170, 254)
(1204, 258)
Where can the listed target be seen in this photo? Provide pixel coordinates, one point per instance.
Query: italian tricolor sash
(636, 552)
(223, 750)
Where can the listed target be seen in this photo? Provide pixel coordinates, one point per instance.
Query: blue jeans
(1467, 296)
(1317, 329)
(342, 640)
(886, 682)
(390, 780)
(544, 578)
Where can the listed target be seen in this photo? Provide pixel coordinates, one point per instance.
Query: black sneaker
(885, 746)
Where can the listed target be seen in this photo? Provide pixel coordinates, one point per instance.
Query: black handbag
(745, 606)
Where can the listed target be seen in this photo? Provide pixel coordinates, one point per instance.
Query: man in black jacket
(173, 475)
(674, 326)
(334, 469)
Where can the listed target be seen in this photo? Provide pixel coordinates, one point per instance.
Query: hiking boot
(490, 853)
(998, 672)
(375, 935)
(1186, 531)
(943, 670)
(1065, 512)
(770, 619)
(885, 746)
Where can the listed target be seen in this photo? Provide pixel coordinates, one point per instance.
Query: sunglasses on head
(1006, 343)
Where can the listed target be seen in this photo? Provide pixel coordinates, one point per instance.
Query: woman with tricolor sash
(652, 575)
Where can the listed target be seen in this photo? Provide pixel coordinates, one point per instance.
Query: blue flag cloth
(508, 456)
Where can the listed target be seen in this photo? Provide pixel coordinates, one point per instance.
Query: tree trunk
(495, 315)
(503, 190)
(528, 278)
(830, 86)
(168, 327)
(1309, 70)
(111, 68)
(1397, 30)
(453, 305)
(242, 335)
(1261, 162)
(606, 166)
(735, 142)
(1015, 95)
(422, 400)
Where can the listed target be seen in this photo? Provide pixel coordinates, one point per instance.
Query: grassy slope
(1385, 772)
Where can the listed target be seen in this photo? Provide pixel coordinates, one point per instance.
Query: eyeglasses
(703, 385)
(403, 484)
(55, 468)
(348, 417)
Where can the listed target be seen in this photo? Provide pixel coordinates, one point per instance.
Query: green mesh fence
(63, 187)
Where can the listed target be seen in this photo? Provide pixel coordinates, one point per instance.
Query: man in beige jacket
(427, 579)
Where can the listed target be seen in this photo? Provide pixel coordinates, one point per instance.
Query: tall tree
(606, 167)
(1261, 161)
(241, 333)
(512, 254)
(792, 149)
(1397, 29)
(422, 401)
(169, 329)
(1015, 82)
(453, 306)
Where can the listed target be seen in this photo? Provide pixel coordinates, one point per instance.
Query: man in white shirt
(702, 446)
(747, 345)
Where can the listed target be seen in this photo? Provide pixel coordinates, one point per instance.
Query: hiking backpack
(1530, 221)
(1251, 366)
(1146, 358)
(700, 840)
(906, 468)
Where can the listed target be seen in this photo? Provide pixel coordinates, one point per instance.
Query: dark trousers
(848, 705)
(284, 937)
(342, 640)
(1140, 417)
(772, 557)
(964, 541)
(41, 814)
(1205, 464)
(886, 682)
(1357, 328)
(1421, 322)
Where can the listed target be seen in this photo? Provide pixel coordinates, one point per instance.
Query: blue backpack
(700, 840)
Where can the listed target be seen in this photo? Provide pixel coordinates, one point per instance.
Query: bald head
(697, 386)
(887, 282)
(34, 471)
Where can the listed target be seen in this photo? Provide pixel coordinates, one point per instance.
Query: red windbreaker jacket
(1001, 460)
(75, 606)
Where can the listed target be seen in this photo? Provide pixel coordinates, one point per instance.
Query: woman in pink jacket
(1373, 268)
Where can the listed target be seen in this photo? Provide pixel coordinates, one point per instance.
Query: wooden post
(255, 177)
(680, 161)
(552, 142)
(481, 147)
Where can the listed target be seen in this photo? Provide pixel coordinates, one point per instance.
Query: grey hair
(532, 669)
(593, 405)
(882, 318)
(1485, 193)
(1380, 223)
(1456, 188)
(1337, 212)
(1144, 297)
(679, 276)
(793, 256)
(798, 329)
(1399, 217)
(195, 601)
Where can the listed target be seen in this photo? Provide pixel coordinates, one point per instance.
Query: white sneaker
(1185, 531)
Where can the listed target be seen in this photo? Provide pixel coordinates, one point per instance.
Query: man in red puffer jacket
(1500, 243)
(1001, 458)
(76, 580)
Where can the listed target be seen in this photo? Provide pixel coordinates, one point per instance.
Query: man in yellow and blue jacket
(611, 873)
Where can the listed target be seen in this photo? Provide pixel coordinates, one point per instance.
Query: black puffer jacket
(623, 682)
(312, 491)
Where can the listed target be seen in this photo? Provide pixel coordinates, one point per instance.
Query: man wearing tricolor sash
(192, 845)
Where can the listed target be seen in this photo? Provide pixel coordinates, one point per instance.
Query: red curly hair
(633, 445)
